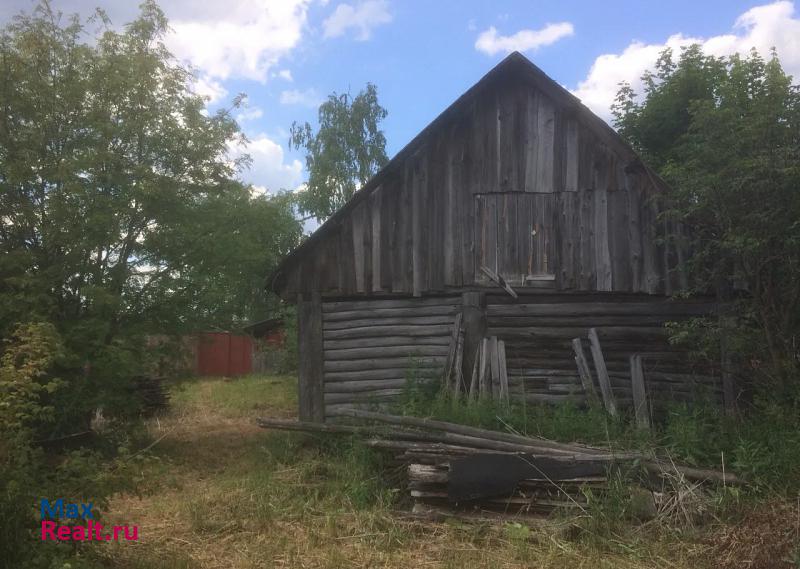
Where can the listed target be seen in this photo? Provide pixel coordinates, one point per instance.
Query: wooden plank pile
(152, 392)
(457, 468)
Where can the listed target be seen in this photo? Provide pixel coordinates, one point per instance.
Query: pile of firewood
(152, 392)
(457, 468)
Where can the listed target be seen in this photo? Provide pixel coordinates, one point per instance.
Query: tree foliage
(726, 133)
(122, 214)
(347, 150)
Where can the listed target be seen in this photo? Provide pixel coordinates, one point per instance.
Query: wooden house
(515, 181)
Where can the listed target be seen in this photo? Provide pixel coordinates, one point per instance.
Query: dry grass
(223, 493)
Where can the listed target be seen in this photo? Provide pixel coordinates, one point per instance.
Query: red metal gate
(224, 354)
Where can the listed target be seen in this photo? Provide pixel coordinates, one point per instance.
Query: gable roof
(514, 65)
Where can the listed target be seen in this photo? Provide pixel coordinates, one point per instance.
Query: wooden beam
(583, 370)
(497, 279)
(494, 362)
(474, 324)
(640, 407)
(501, 354)
(602, 373)
(311, 398)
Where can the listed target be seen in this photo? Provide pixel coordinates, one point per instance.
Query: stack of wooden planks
(457, 468)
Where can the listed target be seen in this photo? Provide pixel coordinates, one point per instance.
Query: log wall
(538, 331)
(371, 347)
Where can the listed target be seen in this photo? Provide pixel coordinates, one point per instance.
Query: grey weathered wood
(640, 406)
(458, 378)
(602, 373)
(483, 370)
(498, 280)
(583, 369)
(474, 323)
(501, 356)
(383, 352)
(473, 383)
(494, 366)
(375, 218)
(310, 365)
(387, 341)
(418, 320)
(399, 330)
(451, 352)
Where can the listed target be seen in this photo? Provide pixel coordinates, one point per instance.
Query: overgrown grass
(763, 445)
(219, 492)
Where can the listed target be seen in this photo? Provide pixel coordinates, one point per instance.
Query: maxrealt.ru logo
(92, 531)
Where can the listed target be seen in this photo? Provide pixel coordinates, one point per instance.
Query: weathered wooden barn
(515, 181)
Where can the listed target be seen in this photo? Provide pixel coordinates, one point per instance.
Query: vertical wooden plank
(375, 218)
(473, 383)
(602, 373)
(357, 219)
(532, 140)
(416, 228)
(489, 231)
(450, 361)
(640, 407)
(483, 371)
(507, 239)
(544, 160)
(586, 276)
(310, 365)
(601, 245)
(583, 370)
(502, 365)
(494, 361)
(571, 156)
(505, 136)
(451, 246)
(619, 244)
(474, 324)
(634, 233)
(652, 275)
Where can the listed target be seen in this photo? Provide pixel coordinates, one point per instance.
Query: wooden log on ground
(474, 432)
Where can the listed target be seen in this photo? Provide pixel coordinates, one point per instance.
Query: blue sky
(287, 55)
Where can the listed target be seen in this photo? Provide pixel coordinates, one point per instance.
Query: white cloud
(762, 27)
(249, 114)
(212, 90)
(285, 74)
(363, 18)
(238, 38)
(269, 170)
(524, 40)
(307, 98)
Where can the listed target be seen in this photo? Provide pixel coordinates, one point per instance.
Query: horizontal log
(611, 332)
(574, 321)
(374, 331)
(419, 320)
(410, 302)
(377, 313)
(599, 309)
(382, 363)
(364, 396)
(386, 341)
(366, 385)
(384, 352)
(421, 374)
